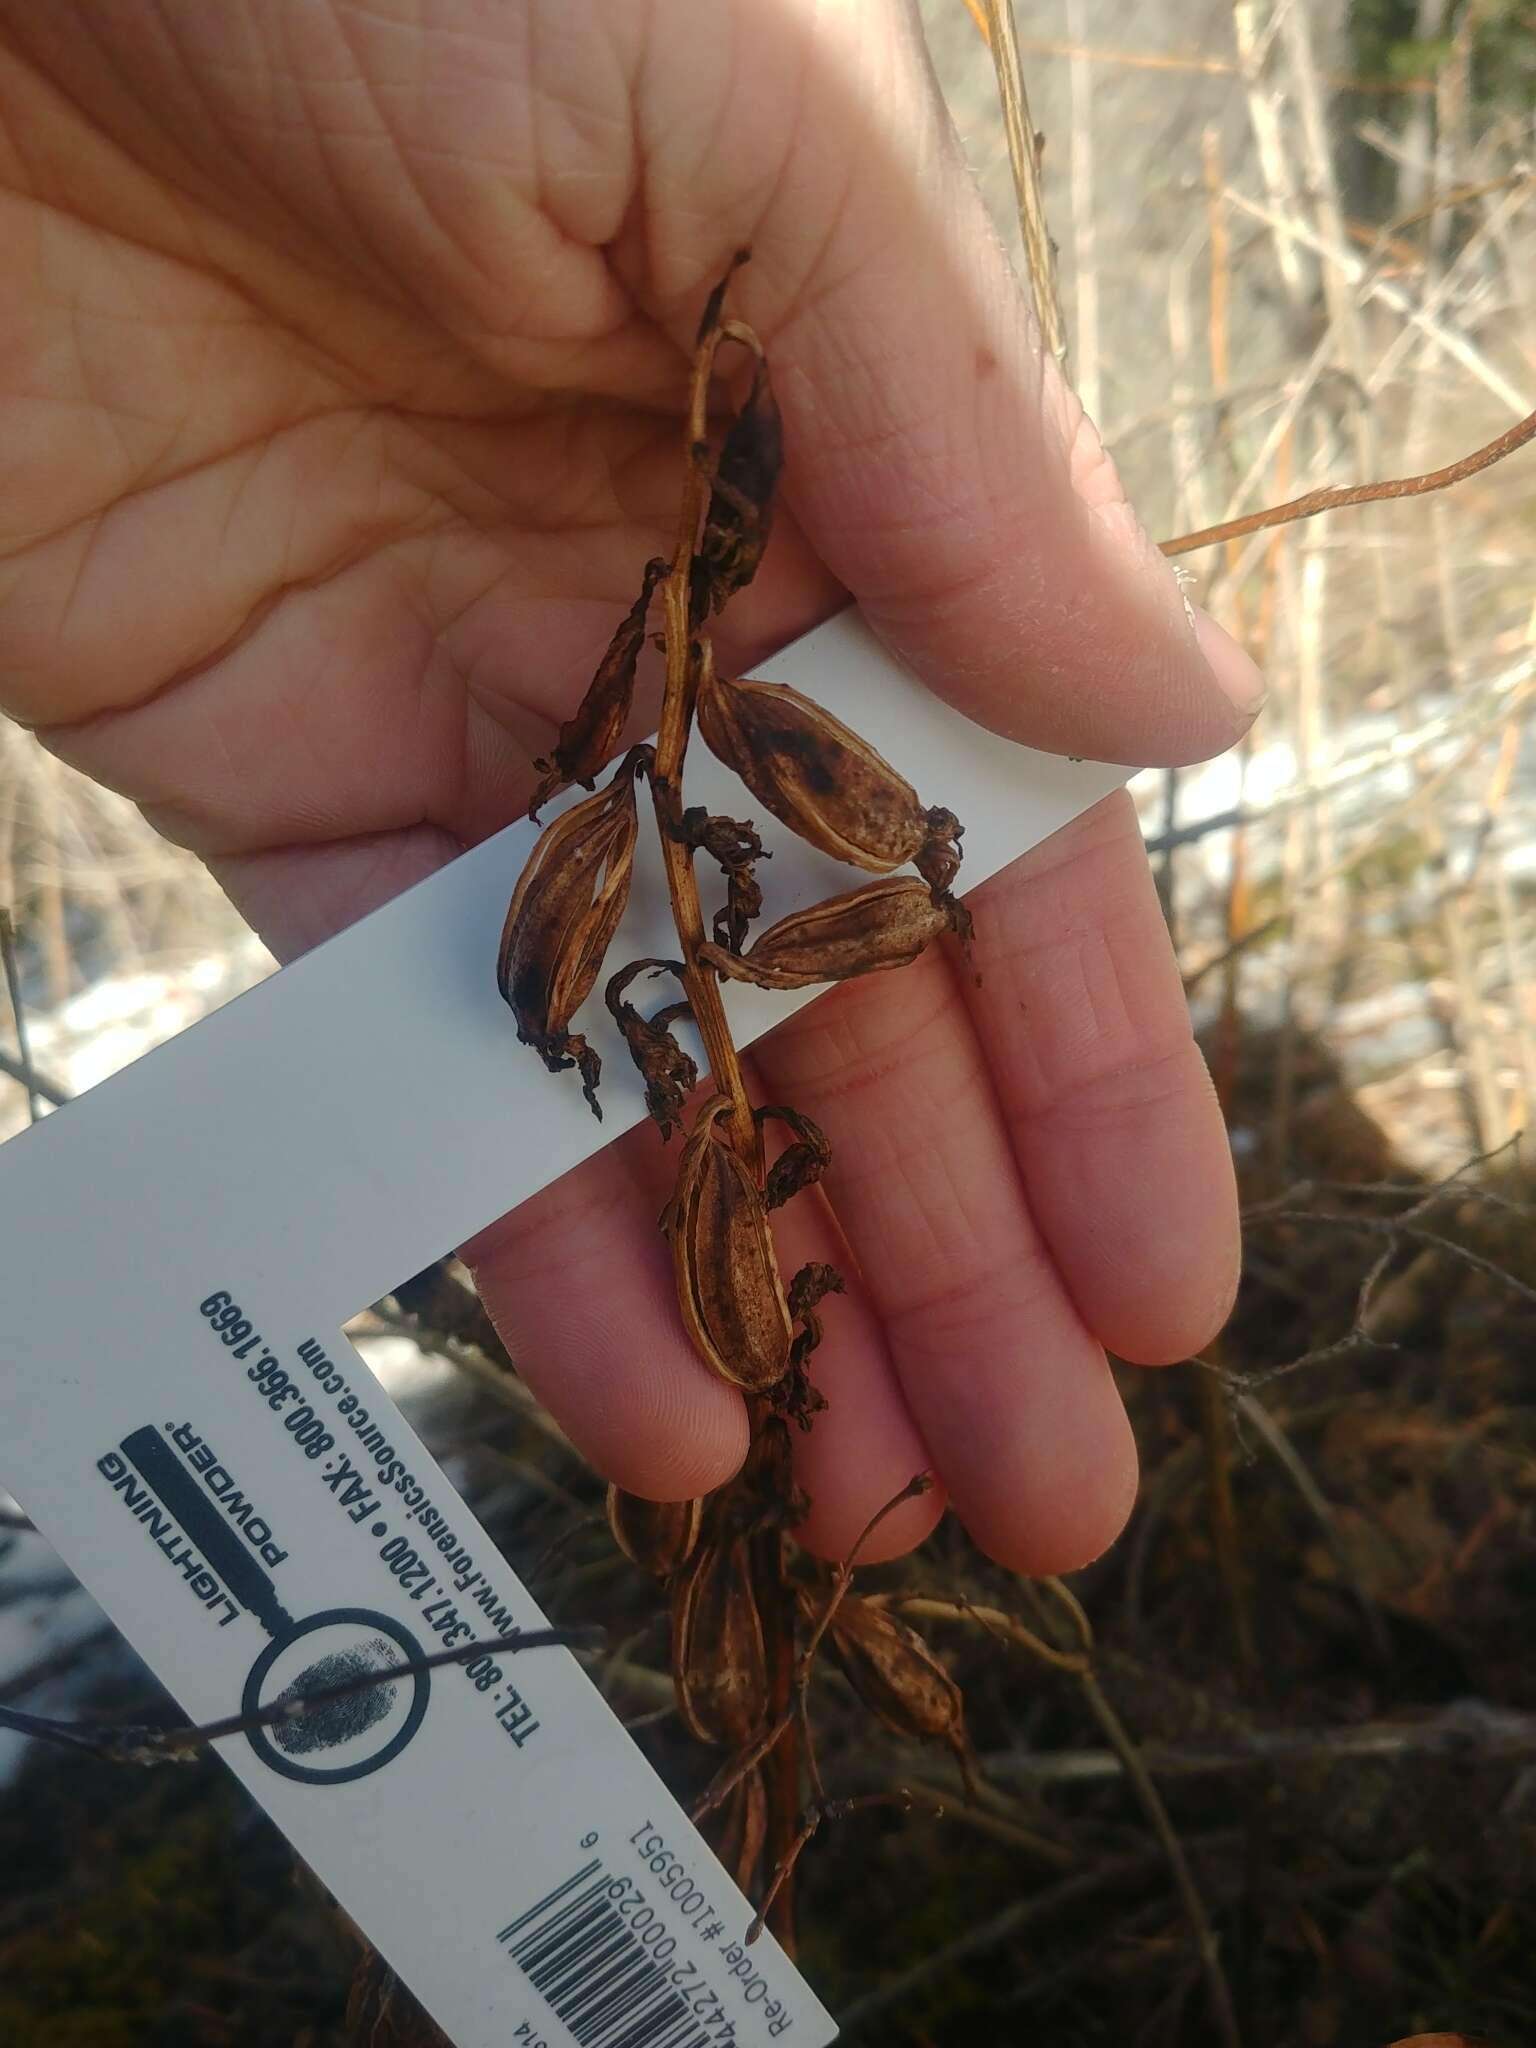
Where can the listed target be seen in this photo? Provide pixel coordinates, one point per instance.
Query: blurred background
(1296, 244)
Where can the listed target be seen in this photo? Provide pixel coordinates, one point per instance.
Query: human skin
(341, 364)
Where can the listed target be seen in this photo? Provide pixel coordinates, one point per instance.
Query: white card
(184, 1422)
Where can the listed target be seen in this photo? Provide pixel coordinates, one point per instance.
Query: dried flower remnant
(801, 1164)
(821, 779)
(735, 845)
(739, 517)
(564, 912)
(659, 1536)
(883, 925)
(588, 740)
(809, 1288)
(728, 1286)
(719, 1664)
(669, 1073)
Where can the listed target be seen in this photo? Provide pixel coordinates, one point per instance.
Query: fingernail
(1237, 676)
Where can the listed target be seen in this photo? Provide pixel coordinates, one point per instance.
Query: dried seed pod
(893, 1671)
(739, 517)
(565, 910)
(719, 1664)
(882, 925)
(818, 777)
(587, 741)
(669, 1073)
(657, 1535)
(728, 1285)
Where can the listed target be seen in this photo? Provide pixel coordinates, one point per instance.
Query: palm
(340, 401)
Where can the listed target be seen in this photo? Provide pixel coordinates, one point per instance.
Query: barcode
(577, 1953)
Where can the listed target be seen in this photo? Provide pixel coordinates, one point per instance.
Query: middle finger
(1012, 1394)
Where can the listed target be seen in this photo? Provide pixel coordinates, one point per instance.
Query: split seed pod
(818, 777)
(657, 1535)
(893, 1671)
(728, 1286)
(565, 910)
(884, 924)
(719, 1664)
(587, 741)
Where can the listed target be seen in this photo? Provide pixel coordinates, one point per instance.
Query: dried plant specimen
(738, 1660)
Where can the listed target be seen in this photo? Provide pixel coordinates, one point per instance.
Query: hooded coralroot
(719, 1665)
(818, 777)
(565, 910)
(728, 1285)
(587, 741)
(884, 924)
(657, 1535)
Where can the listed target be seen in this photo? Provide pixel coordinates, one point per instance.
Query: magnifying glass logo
(340, 1738)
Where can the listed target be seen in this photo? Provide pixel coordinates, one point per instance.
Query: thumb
(944, 471)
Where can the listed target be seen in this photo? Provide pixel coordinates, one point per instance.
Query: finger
(864, 1446)
(1010, 1392)
(936, 457)
(1114, 1122)
(578, 1282)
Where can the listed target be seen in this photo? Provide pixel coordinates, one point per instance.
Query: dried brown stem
(1331, 498)
(1198, 66)
(1024, 156)
(842, 1578)
(683, 652)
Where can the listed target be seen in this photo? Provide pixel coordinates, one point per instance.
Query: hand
(340, 371)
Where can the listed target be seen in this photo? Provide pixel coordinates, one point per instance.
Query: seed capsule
(818, 777)
(893, 1671)
(565, 910)
(719, 1665)
(657, 1535)
(728, 1285)
(586, 742)
(884, 924)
